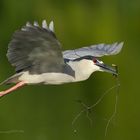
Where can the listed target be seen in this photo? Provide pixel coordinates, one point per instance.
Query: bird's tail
(12, 79)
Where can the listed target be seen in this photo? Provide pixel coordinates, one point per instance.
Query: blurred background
(42, 112)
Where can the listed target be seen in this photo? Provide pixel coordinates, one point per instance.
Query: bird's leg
(18, 85)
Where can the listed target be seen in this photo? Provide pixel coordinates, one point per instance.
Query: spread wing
(35, 49)
(93, 50)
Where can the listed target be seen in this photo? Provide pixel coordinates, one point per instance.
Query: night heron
(36, 54)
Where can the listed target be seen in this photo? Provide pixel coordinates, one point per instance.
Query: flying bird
(36, 54)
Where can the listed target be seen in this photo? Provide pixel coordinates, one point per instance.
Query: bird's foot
(2, 93)
(15, 87)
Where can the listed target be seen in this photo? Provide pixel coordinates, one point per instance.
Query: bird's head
(103, 67)
(91, 64)
(97, 65)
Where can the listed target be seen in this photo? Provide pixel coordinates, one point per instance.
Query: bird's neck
(83, 69)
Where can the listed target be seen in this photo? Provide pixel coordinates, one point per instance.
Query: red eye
(94, 60)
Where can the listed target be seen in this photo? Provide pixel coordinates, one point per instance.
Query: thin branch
(115, 108)
(87, 109)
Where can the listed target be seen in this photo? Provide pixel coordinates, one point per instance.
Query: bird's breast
(46, 78)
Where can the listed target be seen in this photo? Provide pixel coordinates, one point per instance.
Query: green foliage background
(46, 112)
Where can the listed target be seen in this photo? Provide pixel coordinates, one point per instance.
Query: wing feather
(36, 49)
(94, 50)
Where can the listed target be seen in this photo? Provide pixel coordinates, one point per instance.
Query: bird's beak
(107, 68)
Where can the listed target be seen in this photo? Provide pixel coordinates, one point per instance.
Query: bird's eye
(94, 60)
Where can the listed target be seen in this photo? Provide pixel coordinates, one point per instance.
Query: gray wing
(94, 50)
(35, 49)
